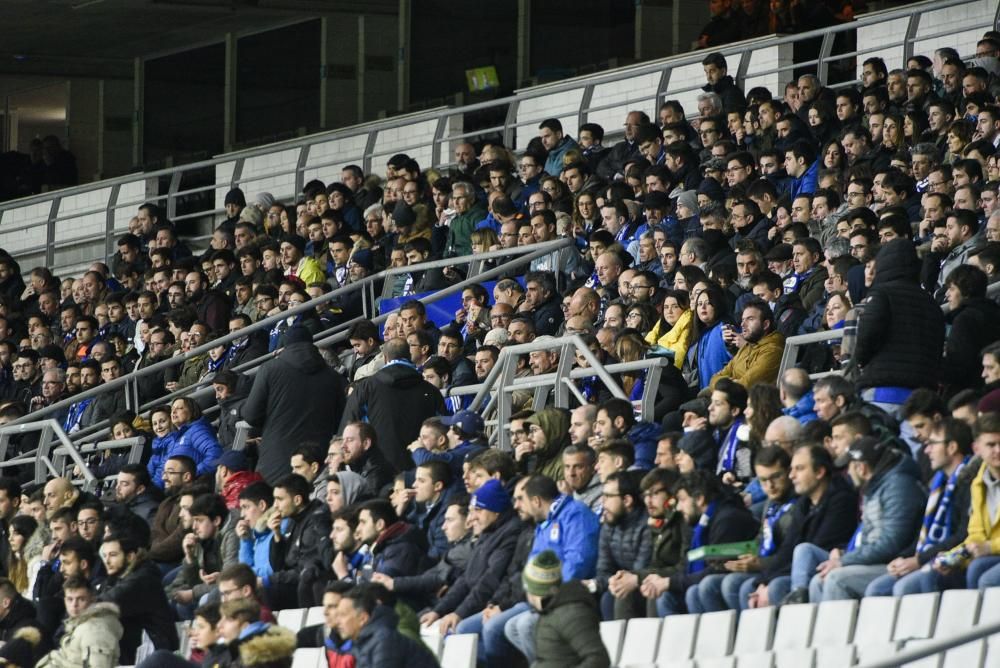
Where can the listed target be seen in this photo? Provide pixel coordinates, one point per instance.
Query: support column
(403, 62)
(138, 92)
(523, 42)
(229, 107)
(83, 126)
(339, 71)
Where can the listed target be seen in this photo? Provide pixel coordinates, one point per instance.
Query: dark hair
(83, 550)
(380, 509)
(295, 485)
(619, 408)
(209, 505)
(735, 393)
(699, 483)
(438, 470)
(258, 491)
(542, 487)
(627, 486)
(958, 431)
(970, 281)
(819, 456)
(773, 455)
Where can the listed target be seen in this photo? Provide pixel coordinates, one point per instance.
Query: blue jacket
(572, 531)
(644, 436)
(162, 446)
(554, 163)
(712, 355)
(892, 510)
(804, 409)
(805, 183)
(255, 551)
(200, 439)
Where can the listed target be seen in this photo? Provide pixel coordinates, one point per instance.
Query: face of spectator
(353, 445)
(542, 361)
(577, 470)
(76, 601)
(484, 364)
(450, 348)
(113, 557)
(550, 138)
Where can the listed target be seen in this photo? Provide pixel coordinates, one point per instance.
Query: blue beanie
(491, 496)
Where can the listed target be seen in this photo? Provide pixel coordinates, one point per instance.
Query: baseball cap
(866, 449)
(468, 422)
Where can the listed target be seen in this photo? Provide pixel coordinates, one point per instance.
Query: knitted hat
(689, 199)
(542, 574)
(403, 214)
(252, 215)
(780, 253)
(491, 496)
(265, 201)
(711, 189)
(496, 337)
(297, 334)
(296, 241)
(363, 258)
(53, 352)
(236, 196)
(656, 200)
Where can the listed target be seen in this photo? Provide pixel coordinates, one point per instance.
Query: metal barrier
(515, 257)
(80, 223)
(53, 444)
(934, 647)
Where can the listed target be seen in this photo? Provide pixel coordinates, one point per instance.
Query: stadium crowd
(369, 489)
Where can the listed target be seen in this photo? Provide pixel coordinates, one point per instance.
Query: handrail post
(109, 223)
(50, 232)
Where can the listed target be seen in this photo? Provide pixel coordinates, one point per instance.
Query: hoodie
(547, 460)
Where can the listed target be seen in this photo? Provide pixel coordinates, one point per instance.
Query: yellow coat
(755, 362)
(676, 339)
(981, 529)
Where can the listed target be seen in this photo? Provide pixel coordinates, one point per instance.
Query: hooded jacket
(644, 436)
(162, 446)
(234, 486)
(300, 546)
(295, 398)
(675, 339)
(900, 335)
(547, 461)
(626, 546)
(91, 639)
(381, 645)
(892, 510)
(397, 551)
(395, 400)
(755, 362)
(971, 327)
(981, 528)
(199, 437)
(568, 631)
(483, 574)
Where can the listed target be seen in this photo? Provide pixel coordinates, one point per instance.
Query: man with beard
(625, 544)
(669, 533)
(212, 306)
(760, 347)
(168, 529)
(716, 517)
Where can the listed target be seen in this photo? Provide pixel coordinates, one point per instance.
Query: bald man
(784, 432)
(586, 303)
(795, 389)
(59, 493)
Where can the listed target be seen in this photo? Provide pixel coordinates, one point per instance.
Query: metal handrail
(935, 646)
(51, 432)
(739, 52)
(521, 252)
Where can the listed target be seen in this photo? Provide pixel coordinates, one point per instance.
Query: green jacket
(461, 227)
(568, 631)
(669, 539)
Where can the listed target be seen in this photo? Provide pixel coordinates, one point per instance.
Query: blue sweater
(572, 531)
(712, 355)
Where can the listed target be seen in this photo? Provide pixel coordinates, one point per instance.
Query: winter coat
(22, 613)
(554, 161)
(548, 317)
(675, 339)
(669, 537)
(255, 551)
(461, 227)
(162, 446)
(491, 555)
(731, 523)
(376, 473)
(900, 335)
(444, 573)
(892, 510)
(568, 631)
(511, 589)
(828, 524)
(454, 458)
(143, 605)
(167, 532)
(91, 639)
(971, 327)
(547, 461)
(430, 522)
(230, 410)
(803, 410)
(732, 96)
(615, 159)
(627, 546)
(210, 556)
(298, 551)
(981, 528)
(395, 401)
(755, 362)
(711, 355)
(397, 551)
(295, 398)
(380, 645)
(644, 436)
(234, 486)
(806, 183)
(199, 438)
(571, 530)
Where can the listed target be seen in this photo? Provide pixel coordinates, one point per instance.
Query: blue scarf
(72, 421)
(795, 281)
(937, 517)
(727, 460)
(698, 537)
(856, 538)
(771, 517)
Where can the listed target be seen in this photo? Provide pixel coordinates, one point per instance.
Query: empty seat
(755, 630)
(795, 626)
(876, 620)
(677, 636)
(835, 656)
(802, 657)
(459, 651)
(715, 635)
(969, 655)
(314, 616)
(917, 613)
(932, 661)
(433, 639)
(308, 657)
(717, 661)
(754, 659)
(612, 635)
(990, 610)
(292, 618)
(877, 651)
(958, 612)
(834, 624)
(676, 663)
(641, 637)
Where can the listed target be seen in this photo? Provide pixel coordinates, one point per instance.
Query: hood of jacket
(554, 423)
(235, 485)
(303, 357)
(897, 261)
(107, 612)
(892, 462)
(398, 375)
(643, 432)
(260, 526)
(351, 486)
(569, 593)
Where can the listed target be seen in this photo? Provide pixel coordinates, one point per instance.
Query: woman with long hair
(22, 528)
(915, 125)
(707, 353)
(586, 215)
(892, 133)
(673, 330)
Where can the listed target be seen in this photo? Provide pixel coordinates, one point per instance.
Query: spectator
(91, 632)
(796, 395)
(295, 546)
(371, 627)
(211, 547)
(759, 355)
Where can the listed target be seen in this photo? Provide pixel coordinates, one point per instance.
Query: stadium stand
(723, 392)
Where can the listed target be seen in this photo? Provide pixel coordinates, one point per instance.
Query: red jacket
(235, 485)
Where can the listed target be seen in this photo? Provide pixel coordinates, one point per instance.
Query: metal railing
(183, 191)
(934, 647)
(514, 257)
(49, 456)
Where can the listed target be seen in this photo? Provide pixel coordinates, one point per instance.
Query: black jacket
(295, 398)
(487, 565)
(381, 645)
(901, 332)
(21, 614)
(143, 603)
(973, 325)
(299, 549)
(395, 400)
(376, 472)
(511, 589)
(615, 159)
(731, 523)
(732, 96)
(548, 316)
(398, 551)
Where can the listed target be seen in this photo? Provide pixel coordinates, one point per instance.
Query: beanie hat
(403, 214)
(297, 334)
(265, 201)
(542, 574)
(296, 241)
(363, 258)
(236, 196)
(20, 650)
(252, 214)
(689, 199)
(54, 352)
(491, 496)
(711, 188)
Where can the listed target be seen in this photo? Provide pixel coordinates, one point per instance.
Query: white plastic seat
(676, 663)
(958, 612)
(677, 636)
(292, 618)
(877, 651)
(434, 640)
(801, 657)
(969, 655)
(990, 610)
(612, 635)
(876, 621)
(755, 630)
(917, 613)
(932, 661)
(754, 659)
(459, 651)
(314, 616)
(715, 635)
(716, 661)
(834, 624)
(833, 656)
(308, 657)
(642, 635)
(795, 626)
